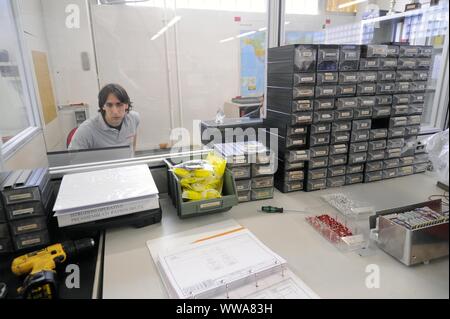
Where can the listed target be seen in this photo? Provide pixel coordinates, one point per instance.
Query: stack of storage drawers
(402, 81)
(345, 114)
(290, 104)
(27, 197)
(5, 239)
(252, 167)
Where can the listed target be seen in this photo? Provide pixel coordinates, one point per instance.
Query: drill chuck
(76, 248)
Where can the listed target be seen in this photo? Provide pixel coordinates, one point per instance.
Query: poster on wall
(44, 85)
(304, 37)
(253, 55)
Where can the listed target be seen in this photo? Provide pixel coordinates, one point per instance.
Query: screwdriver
(274, 209)
(271, 209)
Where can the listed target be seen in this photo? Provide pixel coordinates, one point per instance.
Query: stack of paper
(234, 264)
(89, 196)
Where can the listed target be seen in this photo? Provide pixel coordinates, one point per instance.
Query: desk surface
(129, 271)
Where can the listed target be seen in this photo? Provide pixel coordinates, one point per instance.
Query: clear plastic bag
(437, 148)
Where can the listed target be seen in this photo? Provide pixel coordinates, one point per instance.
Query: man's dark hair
(115, 89)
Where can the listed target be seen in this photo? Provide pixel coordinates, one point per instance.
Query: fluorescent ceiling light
(226, 40)
(245, 34)
(173, 21)
(262, 29)
(100, 2)
(164, 29)
(348, 4)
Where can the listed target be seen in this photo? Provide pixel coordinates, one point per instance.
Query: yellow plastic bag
(201, 179)
(206, 194)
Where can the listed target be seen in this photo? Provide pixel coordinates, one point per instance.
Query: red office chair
(70, 136)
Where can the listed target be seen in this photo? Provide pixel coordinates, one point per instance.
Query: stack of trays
(290, 104)
(252, 166)
(27, 197)
(338, 107)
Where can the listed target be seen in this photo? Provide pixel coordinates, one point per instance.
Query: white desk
(129, 271)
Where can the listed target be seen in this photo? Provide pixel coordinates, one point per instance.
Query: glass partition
(176, 63)
(377, 22)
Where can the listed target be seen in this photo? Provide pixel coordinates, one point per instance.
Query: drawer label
(27, 227)
(348, 90)
(31, 241)
(24, 211)
(211, 205)
(299, 130)
(20, 196)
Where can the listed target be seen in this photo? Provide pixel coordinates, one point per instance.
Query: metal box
(421, 244)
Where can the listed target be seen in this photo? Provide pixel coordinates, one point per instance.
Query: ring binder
(237, 266)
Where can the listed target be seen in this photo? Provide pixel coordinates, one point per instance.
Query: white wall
(31, 155)
(31, 16)
(300, 22)
(72, 83)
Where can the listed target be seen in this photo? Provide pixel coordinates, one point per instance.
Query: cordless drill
(39, 266)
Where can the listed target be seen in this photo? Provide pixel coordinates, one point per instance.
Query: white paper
(219, 261)
(107, 211)
(197, 268)
(108, 186)
(283, 284)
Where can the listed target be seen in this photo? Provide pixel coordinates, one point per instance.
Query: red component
(237, 19)
(327, 21)
(329, 227)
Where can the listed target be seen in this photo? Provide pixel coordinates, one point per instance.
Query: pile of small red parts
(329, 227)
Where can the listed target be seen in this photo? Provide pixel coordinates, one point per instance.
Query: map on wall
(253, 55)
(304, 37)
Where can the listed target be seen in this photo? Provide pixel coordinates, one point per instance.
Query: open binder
(234, 265)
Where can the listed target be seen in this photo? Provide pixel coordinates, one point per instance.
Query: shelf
(10, 77)
(401, 15)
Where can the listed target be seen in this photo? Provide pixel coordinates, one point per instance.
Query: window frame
(10, 147)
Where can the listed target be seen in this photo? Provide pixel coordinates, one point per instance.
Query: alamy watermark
(73, 16)
(373, 277)
(73, 277)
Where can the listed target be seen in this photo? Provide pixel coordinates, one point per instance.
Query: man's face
(114, 110)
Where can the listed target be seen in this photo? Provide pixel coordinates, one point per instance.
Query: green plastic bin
(187, 209)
